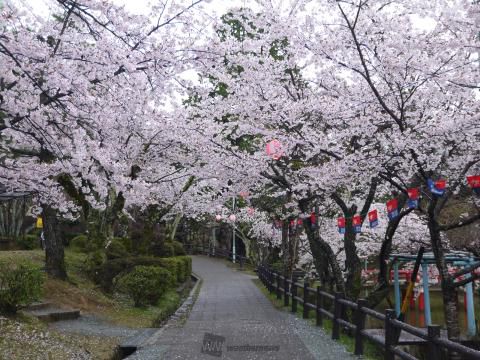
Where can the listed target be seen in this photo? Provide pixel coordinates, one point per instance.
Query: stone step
(140, 337)
(52, 314)
(38, 306)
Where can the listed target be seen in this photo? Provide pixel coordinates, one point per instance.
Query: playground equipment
(458, 259)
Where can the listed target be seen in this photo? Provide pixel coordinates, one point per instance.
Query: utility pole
(233, 232)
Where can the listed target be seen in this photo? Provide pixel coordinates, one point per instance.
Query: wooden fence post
(305, 299)
(390, 334)
(294, 294)
(433, 332)
(270, 281)
(279, 294)
(337, 313)
(360, 325)
(319, 305)
(285, 290)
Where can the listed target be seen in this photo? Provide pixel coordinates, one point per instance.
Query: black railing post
(270, 280)
(294, 294)
(337, 313)
(319, 306)
(360, 325)
(434, 351)
(390, 334)
(285, 290)
(270, 277)
(305, 299)
(279, 294)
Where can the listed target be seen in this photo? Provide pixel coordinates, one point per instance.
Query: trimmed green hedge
(146, 284)
(105, 274)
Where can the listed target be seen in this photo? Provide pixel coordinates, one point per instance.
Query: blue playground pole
(426, 295)
(397, 288)
(470, 308)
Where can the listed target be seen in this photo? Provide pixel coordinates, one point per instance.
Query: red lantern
(341, 225)
(474, 182)
(357, 224)
(274, 149)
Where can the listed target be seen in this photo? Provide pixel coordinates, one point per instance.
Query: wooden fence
(394, 333)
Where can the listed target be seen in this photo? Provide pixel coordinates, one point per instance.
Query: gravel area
(92, 325)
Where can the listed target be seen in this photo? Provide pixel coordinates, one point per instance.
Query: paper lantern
(244, 194)
(373, 218)
(357, 224)
(341, 225)
(274, 149)
(250, 211)
(474, 182)
(232, 217)
(39, 224)
(413, 196)
(437, 187)
(392, 208)
(218, 217)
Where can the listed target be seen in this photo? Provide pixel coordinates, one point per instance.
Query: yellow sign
(39, 222)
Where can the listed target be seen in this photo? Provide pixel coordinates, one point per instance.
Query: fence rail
(215, 251)
(387, 338)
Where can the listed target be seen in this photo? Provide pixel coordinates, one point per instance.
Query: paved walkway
(240, 323)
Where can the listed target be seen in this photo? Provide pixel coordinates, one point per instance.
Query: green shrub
(28, 242)
(79, 243)
(20, 284)
(146, 284)
(94, 263)
(277, 266)
(178, 248)
(69, 236)
(175, 266)
(116, 250)
(126, 242)
(187, 263)
(167, 250)
(110, 269)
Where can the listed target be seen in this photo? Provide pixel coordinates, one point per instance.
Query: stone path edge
(178, 317)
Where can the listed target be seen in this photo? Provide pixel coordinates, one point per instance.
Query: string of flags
(437, 188)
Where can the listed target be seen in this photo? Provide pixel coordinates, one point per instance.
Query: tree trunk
(285, 248)
(449, 292)
(54, 251)
(353, 283)
(324, 258)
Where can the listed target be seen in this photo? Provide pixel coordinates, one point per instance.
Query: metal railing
(216, 252)
(314, 299)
